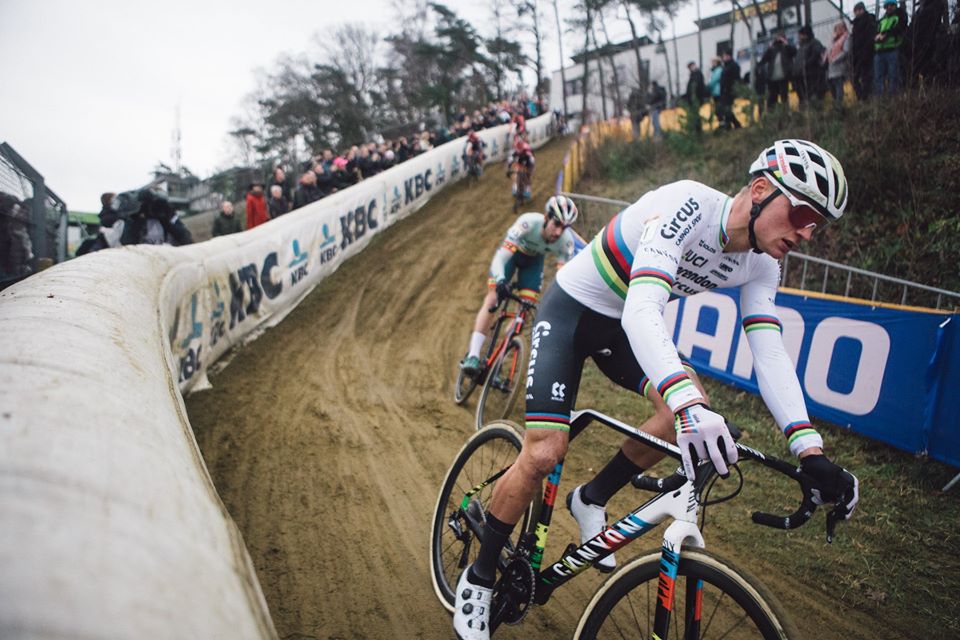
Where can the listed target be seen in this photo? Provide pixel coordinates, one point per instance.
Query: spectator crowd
(877, 56)
(146, 216)
(329, 171)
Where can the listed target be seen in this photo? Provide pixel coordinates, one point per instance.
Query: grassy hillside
(901, 158)
(898, 561)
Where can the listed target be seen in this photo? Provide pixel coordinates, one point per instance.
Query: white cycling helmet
(808, 172)
(562, 209)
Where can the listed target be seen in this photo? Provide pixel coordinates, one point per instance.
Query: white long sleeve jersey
(671, 242)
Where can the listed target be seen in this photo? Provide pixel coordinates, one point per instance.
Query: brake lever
(834, 516)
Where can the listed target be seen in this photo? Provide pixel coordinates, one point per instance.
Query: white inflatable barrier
(109, 523)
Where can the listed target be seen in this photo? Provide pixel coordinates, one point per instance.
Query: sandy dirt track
(328, 437)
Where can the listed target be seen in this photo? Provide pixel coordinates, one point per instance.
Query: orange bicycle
(501, 368)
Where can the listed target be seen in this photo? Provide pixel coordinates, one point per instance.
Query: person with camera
(778, 61)
(150, 219)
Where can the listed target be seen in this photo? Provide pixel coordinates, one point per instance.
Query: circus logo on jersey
(684, 217)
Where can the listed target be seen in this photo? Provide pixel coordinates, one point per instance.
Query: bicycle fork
(676, 534)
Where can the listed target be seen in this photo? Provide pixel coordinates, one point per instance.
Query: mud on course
(328, 437)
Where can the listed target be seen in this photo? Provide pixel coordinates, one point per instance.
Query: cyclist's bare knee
(543, 449)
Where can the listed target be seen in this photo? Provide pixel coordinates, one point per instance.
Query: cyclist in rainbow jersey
(679, 240)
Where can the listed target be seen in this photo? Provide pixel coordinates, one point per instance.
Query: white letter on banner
(718, 343)
(875, 347)
(793, 330)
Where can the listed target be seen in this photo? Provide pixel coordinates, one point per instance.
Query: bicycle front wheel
(500, 390)
(453, 537)
(711, 599)
(464, 386)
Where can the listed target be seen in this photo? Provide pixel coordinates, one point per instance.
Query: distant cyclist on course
(473, 153)
(521, 157)
(527, 241)
(678, 240)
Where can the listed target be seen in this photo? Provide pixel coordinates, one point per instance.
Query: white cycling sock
(476, 343)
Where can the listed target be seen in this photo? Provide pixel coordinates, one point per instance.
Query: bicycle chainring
(513, 594)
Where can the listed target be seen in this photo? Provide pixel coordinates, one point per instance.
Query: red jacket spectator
(256, 206)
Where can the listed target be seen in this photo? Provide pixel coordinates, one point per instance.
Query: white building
(717, 34)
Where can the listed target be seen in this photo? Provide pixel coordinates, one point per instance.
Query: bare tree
(530, 9)
(563, 73)
(603, 83)
(671, 7)
(642, 79)
(506, 54)
(611, 53)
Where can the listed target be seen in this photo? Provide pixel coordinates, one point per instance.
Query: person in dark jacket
(695, 95)
(729, 78)
(276, 203)
(286, 186)
(657, 99)
(809, 79)
(778, 63)
(149, 218)
(307, 191)
(101, 236)
(861, 52)
(226, 221)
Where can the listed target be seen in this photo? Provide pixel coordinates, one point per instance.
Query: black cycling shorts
(566, 333)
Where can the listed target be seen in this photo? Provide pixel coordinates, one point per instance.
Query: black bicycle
(682, 590)
(502, 367)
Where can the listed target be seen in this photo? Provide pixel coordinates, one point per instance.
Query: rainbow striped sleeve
(559, 421)
(796, 431)
(649, 275)
(510, 246)
(611, 256)
(760, 322)
(646, 384)
(674, 389)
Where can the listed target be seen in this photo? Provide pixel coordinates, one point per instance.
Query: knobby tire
(735, 604)
(485, 453)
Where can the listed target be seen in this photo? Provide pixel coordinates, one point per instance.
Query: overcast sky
(89, 89)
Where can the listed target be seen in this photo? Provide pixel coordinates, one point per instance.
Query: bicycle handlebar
(523, 303)
(580, 419)
(807, 506)
(796, 519)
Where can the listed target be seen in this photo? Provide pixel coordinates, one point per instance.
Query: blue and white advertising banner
(225, 290)
(892, 374)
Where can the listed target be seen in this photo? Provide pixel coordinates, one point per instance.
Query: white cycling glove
(705, 432)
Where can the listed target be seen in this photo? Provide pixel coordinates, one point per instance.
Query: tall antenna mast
(176, 152)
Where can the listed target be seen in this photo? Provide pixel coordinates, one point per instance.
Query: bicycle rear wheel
(504, 379)
(728, 604)
(453, 538)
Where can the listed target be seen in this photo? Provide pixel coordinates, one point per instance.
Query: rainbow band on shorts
(558, 421)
